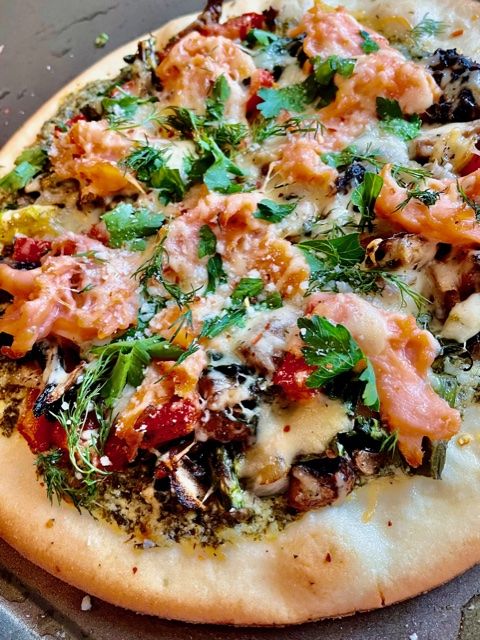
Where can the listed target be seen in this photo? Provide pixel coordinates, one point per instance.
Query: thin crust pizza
(241, 314)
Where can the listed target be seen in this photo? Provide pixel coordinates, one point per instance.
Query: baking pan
(43, 45)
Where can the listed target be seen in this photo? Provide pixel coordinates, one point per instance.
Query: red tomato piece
(472, 165)
(40, 433)
(292, 376)
(30, 250)
(235, 28)
(174, 419)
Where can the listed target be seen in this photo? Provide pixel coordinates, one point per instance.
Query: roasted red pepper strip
(292, 375)
(30, 250)
(41, 434)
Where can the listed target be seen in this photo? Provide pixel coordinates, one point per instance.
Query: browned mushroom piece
(320, 482)
(186, 484)
(368, 462)
(217, 426)
(401, 250)
(454, 276)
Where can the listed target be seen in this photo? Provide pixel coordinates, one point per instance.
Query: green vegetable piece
(393, 120)
(343, 250)
(207, 245)
(370, 393)
(330, 348)
(247, 288)
(28, 164)
(272, 211)
(215, 273)
(213, 327)
(101, 40)
(127, 223)
(325, 70)
(368, 45)
(219, 96)
(364, 197)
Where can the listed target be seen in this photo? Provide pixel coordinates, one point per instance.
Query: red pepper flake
(286, 428)
(328, 558)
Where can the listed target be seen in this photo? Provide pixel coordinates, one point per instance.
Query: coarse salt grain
(86, 604)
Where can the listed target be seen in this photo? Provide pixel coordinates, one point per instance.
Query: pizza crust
(390, 540)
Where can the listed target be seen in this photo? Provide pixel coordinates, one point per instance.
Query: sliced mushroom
(320, 482)
(186, 485)
(401, 250)
(368, 463)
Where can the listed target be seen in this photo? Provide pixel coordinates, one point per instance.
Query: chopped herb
(215, 273)
(120, 111)
(393, 120)
(101, 40)
(325, 70)
(416, 174)
(171, 187)
(425, 28)
(428, 197)
(213, 327)
(273, 211)
(344, 158)
(51, 467)
(182, 120)
(28, 164)
(368, 45)
(264, 128)
(343, 250)
(370, 393)
(390, 444)
(127, 223)
(247, 288)
(230, 135)
(144, 161)
(218, 97)
(223, 174)
(261, 37)
(330, 348)
(272, 301)
(207, 245)
(292, 98)
(364, 197)
(470, 202)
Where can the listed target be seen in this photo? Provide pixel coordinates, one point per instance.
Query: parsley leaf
(222, 175)
(28, 164)
(272, 301)
(368, 45)
(215, 273)
(364, 197)
(247, 288)
(343, 250)
(126, 223)
(207, 245)
(144, 161)
(393, 120)
(119, 111)
(219, 96)
(292, 98)
(263, 38)
(273, 211)
(344, 158)
(370, 394)
(330, 348)
(169, 183)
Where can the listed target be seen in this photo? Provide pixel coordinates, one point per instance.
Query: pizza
(240, 314)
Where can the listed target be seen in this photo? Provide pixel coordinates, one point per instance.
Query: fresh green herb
(183, 121)
(228, 482)
(446, 386)
(261, 37)
(51, 467)
(264, 128)
(294, 98)
(427, 27)
(390, 444)
(368, 45)
(229, 135)
(215, 273)
(325, 70)
(144, 161)
(344, 158)
(470, 202)
(213, 327)
(171, 187)
(272, 301)
(222, 175)
(428, 197)
(28, 164)
(370, 394)
(120, 111)
(217, 99)
(342, 250)
(364, 197)
(415, 175)
(101, 40)
(127, 223)
(247, 288)
(207, 245)
(329, 347)
(273, 211)
(393, 120)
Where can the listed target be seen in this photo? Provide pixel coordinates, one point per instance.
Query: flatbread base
(390, 540)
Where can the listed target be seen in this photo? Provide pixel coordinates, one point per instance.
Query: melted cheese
(285, 433)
